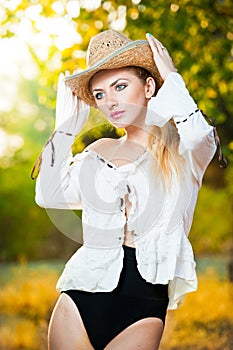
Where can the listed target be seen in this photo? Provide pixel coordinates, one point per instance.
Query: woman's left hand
(162, 58)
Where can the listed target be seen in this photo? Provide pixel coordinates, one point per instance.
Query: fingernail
(148, 35)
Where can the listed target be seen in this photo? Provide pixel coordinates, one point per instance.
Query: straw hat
(108, 50)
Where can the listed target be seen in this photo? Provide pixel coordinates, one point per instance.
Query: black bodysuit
(106, 314)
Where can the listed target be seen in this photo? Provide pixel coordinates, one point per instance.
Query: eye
(121, 87)
(99, 95)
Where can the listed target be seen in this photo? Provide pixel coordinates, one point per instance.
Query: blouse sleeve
(197, 142)
(57, 184)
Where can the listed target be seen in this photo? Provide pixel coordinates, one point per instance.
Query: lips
(116, 114)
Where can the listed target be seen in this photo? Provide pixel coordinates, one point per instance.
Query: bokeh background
(38, 40)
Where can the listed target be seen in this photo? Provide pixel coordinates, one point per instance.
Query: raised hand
(162, 58)
(71, 112)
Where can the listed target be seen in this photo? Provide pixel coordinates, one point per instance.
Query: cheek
(101, 107)
(138, 103)
(137, 96)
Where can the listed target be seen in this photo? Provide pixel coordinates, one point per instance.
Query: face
(122, 96)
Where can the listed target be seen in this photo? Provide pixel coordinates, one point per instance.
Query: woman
(137, 193)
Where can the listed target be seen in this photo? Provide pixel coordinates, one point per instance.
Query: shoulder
(99, 143)
(103, 146)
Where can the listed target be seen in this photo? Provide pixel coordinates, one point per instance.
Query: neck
(138, 135)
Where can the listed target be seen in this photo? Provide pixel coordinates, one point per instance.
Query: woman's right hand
(71, 112)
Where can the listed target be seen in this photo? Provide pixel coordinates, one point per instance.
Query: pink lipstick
(116, 114)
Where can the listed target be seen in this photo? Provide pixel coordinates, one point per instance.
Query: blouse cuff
(172, 101)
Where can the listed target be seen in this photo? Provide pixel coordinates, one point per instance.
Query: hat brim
(137, 53)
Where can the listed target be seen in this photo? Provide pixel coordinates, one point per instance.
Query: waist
(131, 282)
(129, 253)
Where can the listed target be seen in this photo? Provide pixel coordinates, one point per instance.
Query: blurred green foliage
(212, 228)
(199, 36)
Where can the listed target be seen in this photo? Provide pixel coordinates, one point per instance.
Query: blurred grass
(28, 295)
(27, 298)
(205, 320)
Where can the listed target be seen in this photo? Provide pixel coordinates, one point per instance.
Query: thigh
(144, 334)
(66, 329)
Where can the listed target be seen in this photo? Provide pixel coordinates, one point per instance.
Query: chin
(119, 124)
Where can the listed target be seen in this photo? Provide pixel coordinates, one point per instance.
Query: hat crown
(104, 44)
(112, 50)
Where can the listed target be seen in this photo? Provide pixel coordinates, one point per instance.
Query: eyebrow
(111, 85)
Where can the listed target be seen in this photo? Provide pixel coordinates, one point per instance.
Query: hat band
(106, 59)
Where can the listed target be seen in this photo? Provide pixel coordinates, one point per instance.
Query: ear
(150, 87)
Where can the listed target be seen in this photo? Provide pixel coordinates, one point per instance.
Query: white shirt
(161, 220)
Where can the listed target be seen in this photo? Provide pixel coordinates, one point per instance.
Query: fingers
(155, 44)
(161, 55)
(157, 47)
(65, 92)
(76, 71)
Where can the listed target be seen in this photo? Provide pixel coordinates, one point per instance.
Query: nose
(111, 101)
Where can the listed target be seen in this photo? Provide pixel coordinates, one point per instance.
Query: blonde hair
(164, 145)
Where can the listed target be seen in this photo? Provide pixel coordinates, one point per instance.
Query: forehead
(109, 75)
